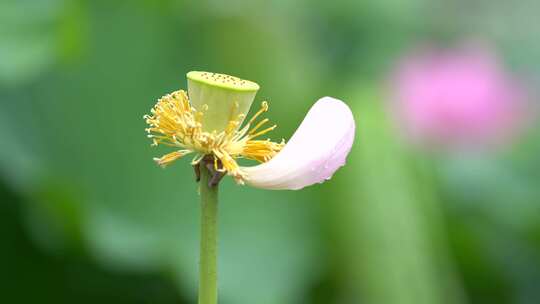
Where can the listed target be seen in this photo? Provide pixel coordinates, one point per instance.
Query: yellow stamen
(169, 158)
(260, 124)
(175, 123)
(263, 132)
(264, 108)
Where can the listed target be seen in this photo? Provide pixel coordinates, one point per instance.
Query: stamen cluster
(174, 122)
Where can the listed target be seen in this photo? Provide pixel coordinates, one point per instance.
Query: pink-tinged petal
(316, 150)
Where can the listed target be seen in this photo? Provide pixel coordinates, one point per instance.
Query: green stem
(208, 250)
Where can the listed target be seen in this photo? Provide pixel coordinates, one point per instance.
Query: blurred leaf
(512, 27)
(27, 32)
(35, 34)
(390, 222)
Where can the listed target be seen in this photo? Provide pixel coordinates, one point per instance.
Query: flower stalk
(209, 232)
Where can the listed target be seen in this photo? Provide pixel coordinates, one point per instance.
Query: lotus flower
(457, 98)
(207, 124)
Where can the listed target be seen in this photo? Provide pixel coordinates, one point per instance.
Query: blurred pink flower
(457, 98)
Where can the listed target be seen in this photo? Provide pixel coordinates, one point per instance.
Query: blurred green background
(86, 216)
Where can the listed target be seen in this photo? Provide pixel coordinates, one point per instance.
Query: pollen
(175, 123)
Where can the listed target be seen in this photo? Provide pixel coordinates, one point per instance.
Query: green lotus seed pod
(221, 97)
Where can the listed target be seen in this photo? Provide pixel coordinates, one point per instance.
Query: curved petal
(316, 150)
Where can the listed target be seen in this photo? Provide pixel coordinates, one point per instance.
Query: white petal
(316, 150)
